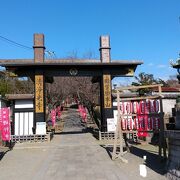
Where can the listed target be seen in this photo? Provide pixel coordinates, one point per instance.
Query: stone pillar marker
(39, 92)
(106, 99)
(39, 48)
(105, 49)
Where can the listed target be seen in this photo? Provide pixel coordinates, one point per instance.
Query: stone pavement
(72, 155)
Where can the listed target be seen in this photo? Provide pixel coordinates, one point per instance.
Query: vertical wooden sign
(107, 91)
(39, 93)
(106, 106)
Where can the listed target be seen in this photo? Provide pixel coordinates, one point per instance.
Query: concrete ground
(73, 154)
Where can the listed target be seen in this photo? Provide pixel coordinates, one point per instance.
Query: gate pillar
(39, 80)
(105, 85)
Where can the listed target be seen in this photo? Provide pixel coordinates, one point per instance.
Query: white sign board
(115, 104)
(41, 128)
(115, 113)
(111, 122)
(111, 125)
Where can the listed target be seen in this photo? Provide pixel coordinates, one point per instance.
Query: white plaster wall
(23, 104)
(168, 104)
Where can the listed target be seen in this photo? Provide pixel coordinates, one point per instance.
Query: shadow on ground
(109, 149)
(83, 131)
(72, 132)
(5, 149)
(153, 161)
(3, 153)
(74, 106)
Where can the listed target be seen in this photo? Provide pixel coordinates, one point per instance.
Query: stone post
(177, 121)
(39, 48)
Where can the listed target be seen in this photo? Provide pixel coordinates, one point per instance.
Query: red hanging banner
(142, 119)
(58, 110)
(53, 117)
(5, 124)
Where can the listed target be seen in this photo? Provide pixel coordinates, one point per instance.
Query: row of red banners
(141, 123)
(138, 116)
(55, 112)
(142, 107)
(5, 129)
(83, 112)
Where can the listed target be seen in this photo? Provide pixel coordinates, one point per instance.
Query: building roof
(167, 89)
(62, 62)
(167, 93)
(19, 96)
(62, 67)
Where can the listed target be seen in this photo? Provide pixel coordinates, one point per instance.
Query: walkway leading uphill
(72, 155)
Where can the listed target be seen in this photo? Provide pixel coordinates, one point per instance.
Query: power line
(50, 54)
(15, 43)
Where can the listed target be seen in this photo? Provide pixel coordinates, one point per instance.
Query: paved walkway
(72, 155)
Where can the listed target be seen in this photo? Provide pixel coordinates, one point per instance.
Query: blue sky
(147, 30)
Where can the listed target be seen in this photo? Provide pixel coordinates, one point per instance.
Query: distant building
(170, 95)
(22, 113)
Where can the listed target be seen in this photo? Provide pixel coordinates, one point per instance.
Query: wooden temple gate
(42, 70)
